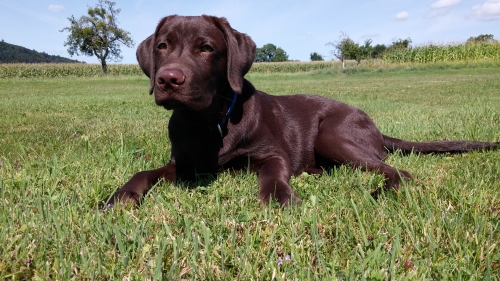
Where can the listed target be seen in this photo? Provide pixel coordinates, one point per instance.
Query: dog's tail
(406, 147)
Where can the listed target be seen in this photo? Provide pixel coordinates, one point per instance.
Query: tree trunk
(104, 66)
(343, 63)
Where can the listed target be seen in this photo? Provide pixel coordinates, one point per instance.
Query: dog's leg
(140, 184)
(358, 146)
(358, 158)
(274, 177)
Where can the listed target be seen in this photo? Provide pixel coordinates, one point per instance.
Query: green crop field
(67, 142)
(445, 53)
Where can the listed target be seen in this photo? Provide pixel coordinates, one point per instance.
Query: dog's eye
(162, 46)
(207, 49)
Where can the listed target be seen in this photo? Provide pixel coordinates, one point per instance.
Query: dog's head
(189, 60)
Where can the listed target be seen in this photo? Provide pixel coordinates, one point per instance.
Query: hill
(10, 53)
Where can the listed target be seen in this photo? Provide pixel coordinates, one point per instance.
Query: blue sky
(299, 27)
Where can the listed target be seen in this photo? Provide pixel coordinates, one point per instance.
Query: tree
(483, 38)
(98, 34)
(378, 50)
(364, 51)
(316, 57)
(270, 53)
(345, 48)
(280, 55)
(401, 44)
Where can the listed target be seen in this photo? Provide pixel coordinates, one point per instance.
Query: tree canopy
(270, 53)
(401, 44)
(316, 57)
(98, 34)
(364, 51)
(378, 50)
(482, 38)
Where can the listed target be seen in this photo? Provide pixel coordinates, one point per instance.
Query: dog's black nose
(170, 78)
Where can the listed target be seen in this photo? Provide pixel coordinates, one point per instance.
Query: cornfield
(291, 67)
(481, 53)
(91, 70)
(48, 70)
(446, 53)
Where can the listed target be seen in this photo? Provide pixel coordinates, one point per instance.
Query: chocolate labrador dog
(220, 121)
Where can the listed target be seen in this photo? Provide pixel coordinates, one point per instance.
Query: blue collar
(228, 113)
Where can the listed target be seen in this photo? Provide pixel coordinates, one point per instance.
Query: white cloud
(437, 13)
(55, 8)
(489, 10)
(445, 3)
(402, 16)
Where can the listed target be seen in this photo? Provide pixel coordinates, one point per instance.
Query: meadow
(68, 141)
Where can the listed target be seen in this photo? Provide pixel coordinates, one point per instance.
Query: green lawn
(66, 143)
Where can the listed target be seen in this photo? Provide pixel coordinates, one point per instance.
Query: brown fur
(196, 64)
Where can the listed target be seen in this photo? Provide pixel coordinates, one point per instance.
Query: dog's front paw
(119, 198)
(285, 196)
(291, 200)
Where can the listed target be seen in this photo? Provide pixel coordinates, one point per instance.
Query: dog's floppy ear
(145, 54)
(145, 57)
(240, 53)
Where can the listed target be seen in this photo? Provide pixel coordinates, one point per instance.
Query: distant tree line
(10, 53)
(483, 38)
(346, 49)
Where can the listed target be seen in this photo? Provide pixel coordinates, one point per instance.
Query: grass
(66, 143)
